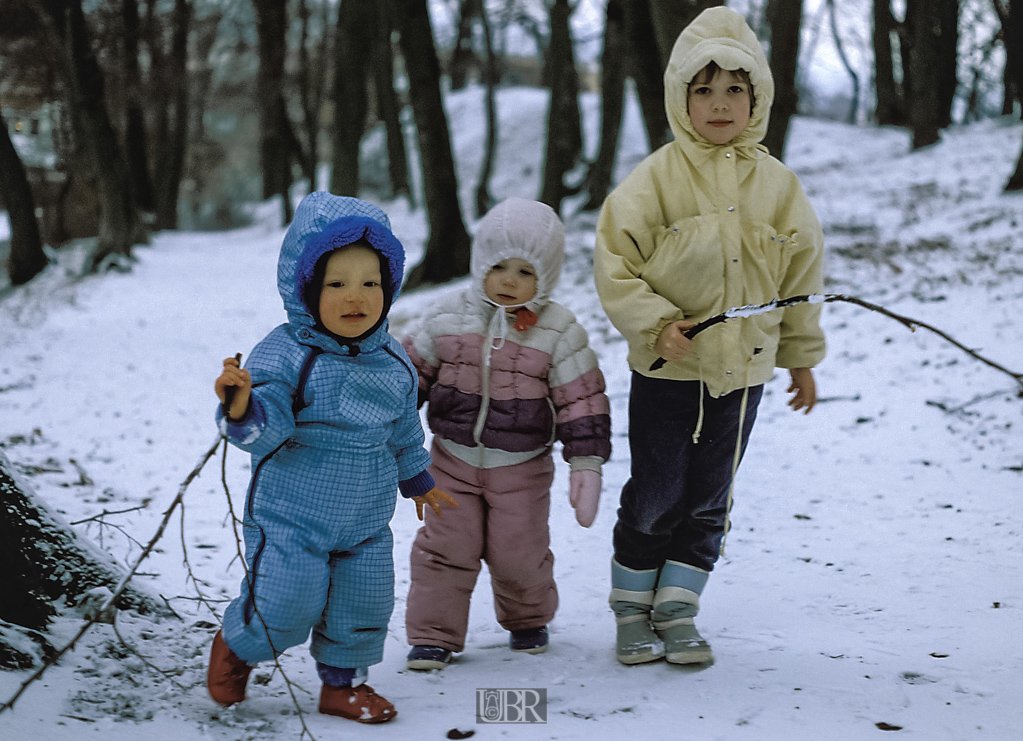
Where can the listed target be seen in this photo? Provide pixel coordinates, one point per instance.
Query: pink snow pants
(501, 518)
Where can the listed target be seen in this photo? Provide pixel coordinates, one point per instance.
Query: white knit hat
(525, 229)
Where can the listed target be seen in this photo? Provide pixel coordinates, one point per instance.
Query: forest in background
(122, 117)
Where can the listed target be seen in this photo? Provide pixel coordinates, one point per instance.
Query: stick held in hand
(741, 312)
(229, 392)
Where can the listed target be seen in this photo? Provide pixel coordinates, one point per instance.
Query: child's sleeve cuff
(245, 430)
(417, 485)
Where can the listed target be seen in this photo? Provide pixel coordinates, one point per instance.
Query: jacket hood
(525, 229)
(722, 36)
(323, 223)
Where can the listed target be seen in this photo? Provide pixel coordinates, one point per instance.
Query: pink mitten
(584, 495)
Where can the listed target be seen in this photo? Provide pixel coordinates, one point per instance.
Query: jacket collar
(313, 335)
(699, 151)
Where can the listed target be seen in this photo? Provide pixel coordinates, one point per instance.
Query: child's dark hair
(709, 72)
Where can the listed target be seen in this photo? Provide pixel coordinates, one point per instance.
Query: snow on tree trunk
(44, 563)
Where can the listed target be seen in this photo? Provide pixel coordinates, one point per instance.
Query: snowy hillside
(873, 579)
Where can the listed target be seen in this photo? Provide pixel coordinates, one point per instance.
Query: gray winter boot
(675, 605)
(632, 596)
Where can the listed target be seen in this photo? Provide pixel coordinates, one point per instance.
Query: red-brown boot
(360, 704)
(227, 674)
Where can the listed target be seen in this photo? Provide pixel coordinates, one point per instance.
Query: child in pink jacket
(507, 372)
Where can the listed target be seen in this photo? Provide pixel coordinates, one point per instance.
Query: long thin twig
(741, 312)
(201, 596)
(105, 512)
(122, 586)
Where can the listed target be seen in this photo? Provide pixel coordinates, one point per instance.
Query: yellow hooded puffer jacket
(698, 228)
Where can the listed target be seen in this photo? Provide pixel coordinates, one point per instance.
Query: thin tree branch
(105, 512)
(741, 312)
(201, 596)
(840, 48)
(122, 586)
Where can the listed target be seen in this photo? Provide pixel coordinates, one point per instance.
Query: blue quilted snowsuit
(334, 432)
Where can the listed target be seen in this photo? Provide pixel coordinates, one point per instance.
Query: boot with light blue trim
(675, 604)
(632, 596)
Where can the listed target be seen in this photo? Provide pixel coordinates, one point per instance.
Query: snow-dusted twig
(961, 408)
(122, 586)
(742, 312)
(104, 524)
(105, 512)
(201, 596)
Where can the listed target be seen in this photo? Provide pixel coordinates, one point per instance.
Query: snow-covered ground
(874, 576)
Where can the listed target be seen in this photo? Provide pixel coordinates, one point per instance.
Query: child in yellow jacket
(705, 223)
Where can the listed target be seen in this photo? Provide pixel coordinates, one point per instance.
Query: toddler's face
(511, 282)
(352, 298)
(719, 107)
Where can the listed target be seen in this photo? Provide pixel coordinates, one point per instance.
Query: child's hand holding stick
(234, 387)
(674, 342)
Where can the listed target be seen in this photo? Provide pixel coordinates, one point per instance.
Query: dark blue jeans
(675, 505)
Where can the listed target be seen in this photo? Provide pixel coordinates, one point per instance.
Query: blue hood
(323, 223)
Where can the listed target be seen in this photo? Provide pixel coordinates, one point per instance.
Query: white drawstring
(498, 327)
(699, 416)
(735, 459)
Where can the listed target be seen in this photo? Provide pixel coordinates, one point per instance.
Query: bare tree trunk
(120, 224)
(25, 257)
(388, 104)
(171, 167)
(1013, 57)
(840, 48)
(161, 76)
(612, 104)
(463, 57)
(200, 81)
(647, 71)
(923, 21)
(1013, 35)
(1016, 179)
(275, 138)
(307, 96)
(135, 145)
(351, 102)
(43, 562)
(491, 77)
(447, 249)
(890, 109)
(564, 134)
(948, 59)
(785, 19)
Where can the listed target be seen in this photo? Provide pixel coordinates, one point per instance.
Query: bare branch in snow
(742, 312)
(107, 605)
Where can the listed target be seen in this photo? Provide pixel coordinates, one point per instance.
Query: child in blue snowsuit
(326, 406)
